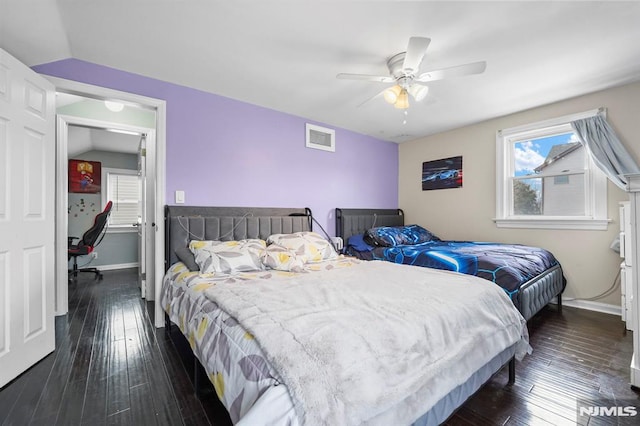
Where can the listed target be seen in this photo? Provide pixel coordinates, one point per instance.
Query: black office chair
(90, 240)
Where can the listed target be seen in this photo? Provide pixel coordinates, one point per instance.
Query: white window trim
(116, 229)
(596, 194)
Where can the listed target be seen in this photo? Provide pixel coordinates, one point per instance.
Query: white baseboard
(592, 306)
(635, 372)
(118, 266)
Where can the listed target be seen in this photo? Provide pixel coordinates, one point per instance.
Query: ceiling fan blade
(460, 70)
(377, 95)
(376, 78)
(415, 52)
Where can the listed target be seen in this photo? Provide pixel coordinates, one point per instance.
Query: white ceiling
(85, 139)
(284, 55)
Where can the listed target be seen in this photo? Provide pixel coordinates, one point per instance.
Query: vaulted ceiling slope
(285, 55)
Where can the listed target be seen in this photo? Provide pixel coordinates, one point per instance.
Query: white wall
(466, 213)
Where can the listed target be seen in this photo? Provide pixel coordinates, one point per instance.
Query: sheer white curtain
(605, 148)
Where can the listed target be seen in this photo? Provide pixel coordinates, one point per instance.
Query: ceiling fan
(404, 70)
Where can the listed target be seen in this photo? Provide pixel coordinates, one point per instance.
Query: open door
(27, 223)
(142, 218)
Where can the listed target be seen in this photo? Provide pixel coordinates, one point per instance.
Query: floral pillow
(283, 259)
(228, 257)
(392, 236)
(309, 244)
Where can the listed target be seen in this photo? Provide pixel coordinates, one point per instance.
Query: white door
(27, 188)
(142, 219)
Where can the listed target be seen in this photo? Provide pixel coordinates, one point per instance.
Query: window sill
(553, 223)
(121, 229)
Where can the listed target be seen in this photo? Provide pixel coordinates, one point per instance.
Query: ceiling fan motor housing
(395, 65)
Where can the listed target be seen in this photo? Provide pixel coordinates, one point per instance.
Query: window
(561, 180)
(546, 178)
(123, 189)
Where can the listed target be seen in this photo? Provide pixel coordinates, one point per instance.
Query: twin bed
(531, 276)
(290, 332)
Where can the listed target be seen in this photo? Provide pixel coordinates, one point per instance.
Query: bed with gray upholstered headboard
(291, 341)
(186, 223)
(530, 275)
(356, 221)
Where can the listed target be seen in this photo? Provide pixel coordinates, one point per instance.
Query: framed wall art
(442, 174)
(85, 176)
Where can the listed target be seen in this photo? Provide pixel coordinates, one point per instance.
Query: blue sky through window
(530, 154)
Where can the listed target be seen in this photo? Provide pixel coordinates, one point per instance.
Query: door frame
(157, 240)
(63, 121)
(143, 218)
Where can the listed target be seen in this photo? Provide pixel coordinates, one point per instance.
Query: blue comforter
(508, 265)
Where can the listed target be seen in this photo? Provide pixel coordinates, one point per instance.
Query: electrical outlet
(337, 243)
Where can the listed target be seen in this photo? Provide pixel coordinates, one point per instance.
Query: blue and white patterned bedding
(508, 265)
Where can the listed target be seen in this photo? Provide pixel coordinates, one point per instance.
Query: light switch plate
(179, 197)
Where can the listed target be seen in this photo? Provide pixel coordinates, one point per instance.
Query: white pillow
(228, 257)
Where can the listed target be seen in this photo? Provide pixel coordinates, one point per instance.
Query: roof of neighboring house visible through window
(557, 152)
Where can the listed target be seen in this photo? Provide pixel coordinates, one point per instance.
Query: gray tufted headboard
(356, 221)
(186, 223)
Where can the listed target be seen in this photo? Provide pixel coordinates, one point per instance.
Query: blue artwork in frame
(442, 174)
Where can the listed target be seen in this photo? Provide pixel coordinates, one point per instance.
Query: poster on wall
(442, 174)
(84, 176)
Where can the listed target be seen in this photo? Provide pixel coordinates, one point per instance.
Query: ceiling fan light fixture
(404, 70)
(392, 93)
(114, 106)
(403, 100)
(418, 91)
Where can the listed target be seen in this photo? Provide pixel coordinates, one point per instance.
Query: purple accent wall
(223, 152)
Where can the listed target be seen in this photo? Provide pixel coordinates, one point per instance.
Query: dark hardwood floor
(112, 367)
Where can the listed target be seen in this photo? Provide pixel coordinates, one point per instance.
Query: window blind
(124, 191)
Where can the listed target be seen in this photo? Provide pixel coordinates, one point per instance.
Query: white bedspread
(377, 343)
